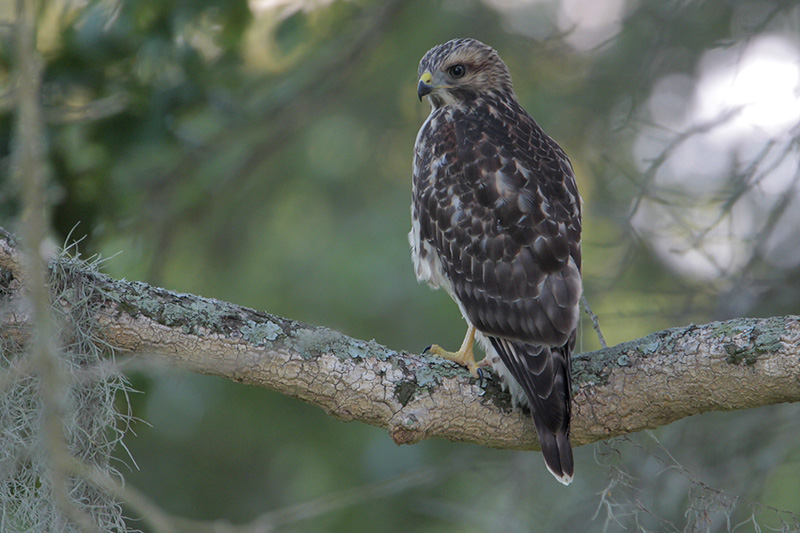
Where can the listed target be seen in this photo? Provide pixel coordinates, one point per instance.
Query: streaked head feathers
(460, 70)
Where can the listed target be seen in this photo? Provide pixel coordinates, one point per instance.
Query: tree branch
(640, 384)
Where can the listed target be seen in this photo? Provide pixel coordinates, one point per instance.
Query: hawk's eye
(457, 71)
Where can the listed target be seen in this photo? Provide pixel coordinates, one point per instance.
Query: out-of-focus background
(260, 153)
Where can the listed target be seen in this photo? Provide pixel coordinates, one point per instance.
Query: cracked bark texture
(640, 384)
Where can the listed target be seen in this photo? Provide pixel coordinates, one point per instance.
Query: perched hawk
(496, 222)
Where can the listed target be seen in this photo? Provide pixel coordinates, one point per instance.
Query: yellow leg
(463, 356)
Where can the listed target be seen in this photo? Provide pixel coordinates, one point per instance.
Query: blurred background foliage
(259, 152)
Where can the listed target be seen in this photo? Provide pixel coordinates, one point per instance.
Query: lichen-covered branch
(641, 384)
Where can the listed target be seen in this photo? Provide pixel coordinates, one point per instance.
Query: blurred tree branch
(30, 261)
(323, 78)
(641, 384)
(95, 110)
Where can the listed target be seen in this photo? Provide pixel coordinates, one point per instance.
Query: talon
(463, 356)
(427, 348)
(480, 377)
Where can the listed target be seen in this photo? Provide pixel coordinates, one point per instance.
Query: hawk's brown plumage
(496, 222)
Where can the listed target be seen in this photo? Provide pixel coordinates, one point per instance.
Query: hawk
(496, 222)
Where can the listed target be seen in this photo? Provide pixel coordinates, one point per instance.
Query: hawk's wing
(496, 198)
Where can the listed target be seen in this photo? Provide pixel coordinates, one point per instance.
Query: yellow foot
(463, 356)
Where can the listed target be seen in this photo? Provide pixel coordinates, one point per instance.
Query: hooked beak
(425, 88)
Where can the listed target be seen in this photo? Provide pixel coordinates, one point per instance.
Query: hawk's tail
(557, 453)
(543, 373)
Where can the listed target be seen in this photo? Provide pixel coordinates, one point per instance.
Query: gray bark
(640, 384)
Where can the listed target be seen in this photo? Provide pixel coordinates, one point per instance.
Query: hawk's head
(461, 70)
